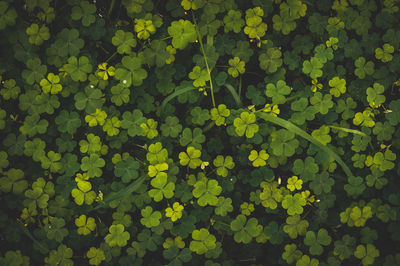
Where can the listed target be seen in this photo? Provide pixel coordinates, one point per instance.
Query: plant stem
(205, 60)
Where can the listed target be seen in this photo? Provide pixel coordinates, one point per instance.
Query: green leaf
(284, 143)
(233, 21)
(120, 94)
(124, 41)
(35, 71)
(88, 100)
(95, 256)
(313, 67)
(271, 60)
(223, 164)
(245, 232)
(291, 253)
(150, 218)
(78, 68)
(202, 241)
(224, 206)
(171, 127)
(162, 188)
(293, 204)
(117, 236)
(55, 229)
(127, 169)
(338, 86)
(68, 122)
(132, 121)
(366, 253)
(85, 224)
(183, 32)
(246, 124)
(315, 242)
(33, 125)
(83, 193)
(37, 35)
(7, 15)
(84, 11)
(92, 164)
(363, 68)
(12, 180)
(207, 192)
(61, 256)
(131, 72)
(295, 226)
(277, 92)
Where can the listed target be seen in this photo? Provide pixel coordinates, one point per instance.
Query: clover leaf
(294, 183)
(374, 95)
(124, 41)
(355, 186)
(255, 27)
(89, 99)
(338, 86)
(293, 204)
(92, 145)
(366, 253)
(117, 236)
(150, 218)
(246, 124)
(313, 67)
(183, 32)
(37, 35)
(10, 89)
(95, 118)
(223, 164)
(33, 125)
(323, 53)
(175, 212)
(120, 94)
(219, 114)
(131, 72)
(84, 193)
(233, 21)
(277, 92)
(258, 159)
(78, 68)
(236, 67)
(306, 169)
(291, 253)
(35, 71)
(171, 127)
(127, 169)
(200, 76)
(51, 84)
(85, 225)
(85, 12)
(245, 232)
(385, 53)
(295, 226)
(364, 118)
(345, 247)
(149, 128)
(162, 188)
(271, 60)
(207, 192)
(12, 180)
(144, 28)
(55, 229)
(363, 68)
(68, 122)
(61, 256)
(92, 164)
(195, 138)
(132, 121)
(224, 206)
(322, 183)
(156, 153)
(322, 134)
(271, 194)
(51, 161)
(321, 102)
(202, 241)
(199, 116)
(111, 126)
(95, 256)
(284, 143)
(315, 242)
(7, 15)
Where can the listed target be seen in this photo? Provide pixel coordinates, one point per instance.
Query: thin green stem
(205, 60)
(114, 54)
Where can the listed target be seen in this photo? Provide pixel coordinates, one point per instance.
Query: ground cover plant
(199, 132)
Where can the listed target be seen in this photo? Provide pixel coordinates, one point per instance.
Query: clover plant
(196, 132)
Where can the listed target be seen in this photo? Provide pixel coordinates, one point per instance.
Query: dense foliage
(206, 132)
